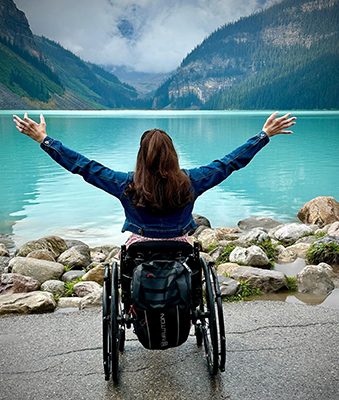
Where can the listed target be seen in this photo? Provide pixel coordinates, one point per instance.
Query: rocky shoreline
(50, 272)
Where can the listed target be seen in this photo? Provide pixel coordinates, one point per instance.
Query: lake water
(38, 197)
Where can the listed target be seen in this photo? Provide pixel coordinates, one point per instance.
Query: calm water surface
(38, 197)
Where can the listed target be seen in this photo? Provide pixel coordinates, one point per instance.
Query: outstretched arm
(94, 173)
(31, 128)
(206, 177)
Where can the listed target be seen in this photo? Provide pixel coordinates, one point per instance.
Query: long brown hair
(158, 184)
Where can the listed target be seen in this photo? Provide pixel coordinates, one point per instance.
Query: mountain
(38, 73)
(286, 56)
(146, 83)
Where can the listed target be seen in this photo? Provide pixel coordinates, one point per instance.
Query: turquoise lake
(39, 198)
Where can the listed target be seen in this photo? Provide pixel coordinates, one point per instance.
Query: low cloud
(147, 35)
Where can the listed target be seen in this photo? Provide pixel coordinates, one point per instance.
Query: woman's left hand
(31, 128)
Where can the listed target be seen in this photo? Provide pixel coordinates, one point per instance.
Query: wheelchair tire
(209, 324)
(115, 323)
(106, 325)
(220, 318)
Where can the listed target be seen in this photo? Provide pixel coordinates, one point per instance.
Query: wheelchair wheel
(209, 324)
(106, 326)
(220, 318)
(117, 331)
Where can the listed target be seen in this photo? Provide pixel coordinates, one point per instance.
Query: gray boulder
(253, 255)
(93, 299)
(315, 279)
(4, 262)
(256, 235)
(27, 303)
(284, 256)
(82, 289)
(292, 232)
(326, 240)
(77, 257)
(16, 283)
(71, 276)
(258, 222)
(40, 270)
(201, 221)
(71, 243)
(3, 250)
(228, 286)
(55, 244)
(57, 288)
(267, 281)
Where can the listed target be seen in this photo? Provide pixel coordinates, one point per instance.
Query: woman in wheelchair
(161, 275)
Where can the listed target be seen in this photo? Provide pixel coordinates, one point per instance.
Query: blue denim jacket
(137, 219)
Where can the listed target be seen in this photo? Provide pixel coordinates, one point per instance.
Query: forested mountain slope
(41, 74)
(284, 57)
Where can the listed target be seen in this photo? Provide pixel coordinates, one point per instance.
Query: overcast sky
(148, 35)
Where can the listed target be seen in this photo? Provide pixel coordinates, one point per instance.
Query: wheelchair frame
(206, 316)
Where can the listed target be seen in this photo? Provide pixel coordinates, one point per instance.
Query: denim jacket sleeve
(205, 177)
(98, 175)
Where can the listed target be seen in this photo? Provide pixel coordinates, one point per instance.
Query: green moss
(246, 292)
(69, 287)
(292, 284)
(225, 255)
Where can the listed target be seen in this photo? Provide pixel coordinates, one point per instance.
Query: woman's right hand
(31, 128)
(275, 126)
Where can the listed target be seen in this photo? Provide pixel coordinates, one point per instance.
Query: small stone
(300, 249)
(42, 254)
(284, 256)
(69, 302)
(82, 289)
(91, 300)
(57, 288)
(253, 255)
(255, 236)
(228, 286)
(71, 276)
(95, 274)
(76, 257)
(3, 250)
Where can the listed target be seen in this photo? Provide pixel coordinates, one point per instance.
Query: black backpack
(161, 293)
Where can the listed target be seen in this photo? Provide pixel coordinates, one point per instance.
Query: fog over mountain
(147, 35)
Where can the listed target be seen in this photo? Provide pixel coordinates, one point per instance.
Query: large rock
(57, 288)
(201, 221)
(91, 300)
(54, 244)
(77, 257)
(40, 270)
(3, 250)
(82, 289)
(42, 254)
(16, 283)
(267, 281)
(315, 279)
(95, 274)
(207, 238)
(228, 286)
(258, 222)
(253, 255)
(24, 303)
(321, 211)
(292, 232)
(284, 256)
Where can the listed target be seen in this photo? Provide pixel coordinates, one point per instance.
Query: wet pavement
(275, 350)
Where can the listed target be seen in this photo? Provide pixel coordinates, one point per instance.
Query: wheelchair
(206, 312)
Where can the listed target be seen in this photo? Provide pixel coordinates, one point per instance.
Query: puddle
(291, 269)
(330, 301)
